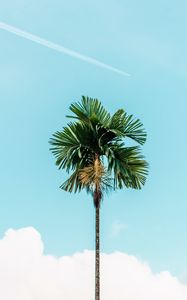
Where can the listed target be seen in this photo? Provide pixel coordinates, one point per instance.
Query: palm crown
(93, 148)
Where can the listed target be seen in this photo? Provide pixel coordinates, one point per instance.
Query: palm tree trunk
(97, 254)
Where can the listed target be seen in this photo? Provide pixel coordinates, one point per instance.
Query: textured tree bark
(97, 254)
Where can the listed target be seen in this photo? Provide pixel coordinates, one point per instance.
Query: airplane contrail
(59, 48)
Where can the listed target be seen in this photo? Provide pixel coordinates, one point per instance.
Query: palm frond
(90, 111)
(74, 146)
(128, 166)
(72, 183)
(125, 125)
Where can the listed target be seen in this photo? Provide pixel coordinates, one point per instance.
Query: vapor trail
(61, 49)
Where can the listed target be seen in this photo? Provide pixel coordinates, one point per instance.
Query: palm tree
(92, 147)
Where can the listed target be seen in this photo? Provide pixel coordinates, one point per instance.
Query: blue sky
(146, 39)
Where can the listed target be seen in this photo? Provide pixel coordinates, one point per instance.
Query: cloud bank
(27, 274)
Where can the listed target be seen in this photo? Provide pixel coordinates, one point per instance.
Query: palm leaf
(73, 146)
(126, 126)
(128, 166)
(72, 183)
(90, 111)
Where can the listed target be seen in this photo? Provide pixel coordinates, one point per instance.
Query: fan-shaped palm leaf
(90, 111)
(128, 166)
(125, 125)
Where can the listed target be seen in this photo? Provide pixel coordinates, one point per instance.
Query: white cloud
(27, 274)
(117, 228)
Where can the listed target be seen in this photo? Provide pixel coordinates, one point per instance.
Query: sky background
(37, 85)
